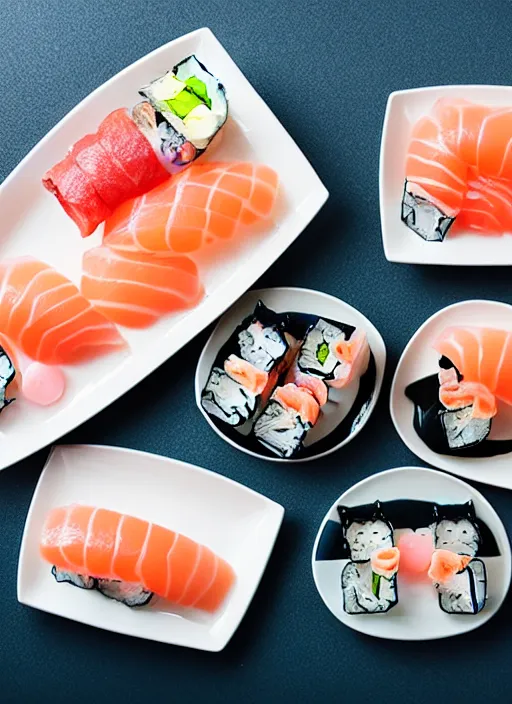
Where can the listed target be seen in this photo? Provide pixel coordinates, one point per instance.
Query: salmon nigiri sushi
(204, 204)
(47, 317)
(135, 289)
(131, 560)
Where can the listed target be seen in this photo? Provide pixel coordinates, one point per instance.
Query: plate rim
(406, 468)
(379, 379)
(444, 465)
(213, 305)
(210, 644)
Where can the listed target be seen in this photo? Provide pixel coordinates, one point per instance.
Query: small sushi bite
(445, 564)
(183, 111)
(226, 399)
(337, 356)
(369, 579)
(285, 422)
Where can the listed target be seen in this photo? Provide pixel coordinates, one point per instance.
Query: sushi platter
(238, 524)
(340, 406)
(196, 288)
(408, 507)
(158, 202)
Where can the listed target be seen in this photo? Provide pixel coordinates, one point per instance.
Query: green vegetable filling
(322, 352)
(376, 584)
(189, 98)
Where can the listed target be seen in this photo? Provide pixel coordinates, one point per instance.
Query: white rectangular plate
(401, 244)
(34, 223)
(238, 524)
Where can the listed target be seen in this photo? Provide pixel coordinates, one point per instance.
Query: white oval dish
(419, 360)
(401, 244)
(237, 523)
(306, 301)
(417, 615)
(34, 223)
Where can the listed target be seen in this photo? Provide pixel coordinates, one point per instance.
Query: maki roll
(248, 367)
(336, 355)
(459, 576)
(368, 581)
(226, 399)
(460, 580)
(285, 422)
(183, 111)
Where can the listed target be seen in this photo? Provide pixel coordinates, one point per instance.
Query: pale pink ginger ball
(42, 384)
(415, 554)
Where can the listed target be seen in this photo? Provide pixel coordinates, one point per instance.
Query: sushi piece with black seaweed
(183, 111)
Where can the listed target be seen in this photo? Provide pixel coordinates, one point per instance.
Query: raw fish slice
(77, 195)
(135, 289)
(385, 562)
(204, 204)
(455, 394)
(482, 355)
(432, 171)
(308, 381)
(354, 357)
(299, 400)
(446, 564)
(487, 207)
(249, 376)
(103, 170)
(48, 318)
(108, 545)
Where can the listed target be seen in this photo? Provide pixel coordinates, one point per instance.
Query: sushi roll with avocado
(338, 355)
(286, 420)
(182, 112)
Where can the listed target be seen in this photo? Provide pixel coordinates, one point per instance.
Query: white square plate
(34, 223)
(401, 244)
(235, 522)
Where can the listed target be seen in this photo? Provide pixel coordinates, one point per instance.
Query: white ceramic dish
(400, 243)
(34, 223)
(419, 360)
(328, 434)
(235, 522)
(417, 615)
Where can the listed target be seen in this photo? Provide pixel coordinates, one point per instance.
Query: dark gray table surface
(353, 54)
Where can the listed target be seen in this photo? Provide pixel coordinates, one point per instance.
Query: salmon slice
(300, 400)
(310, 382)
(246, 374)
(354, 357)
(482, 355)
(136, 289)
(432, 171)
(203, 204)
(487, 207)
(385, 561)
(47, 316)
(455, 394)
(446, 564)
(105, 544)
